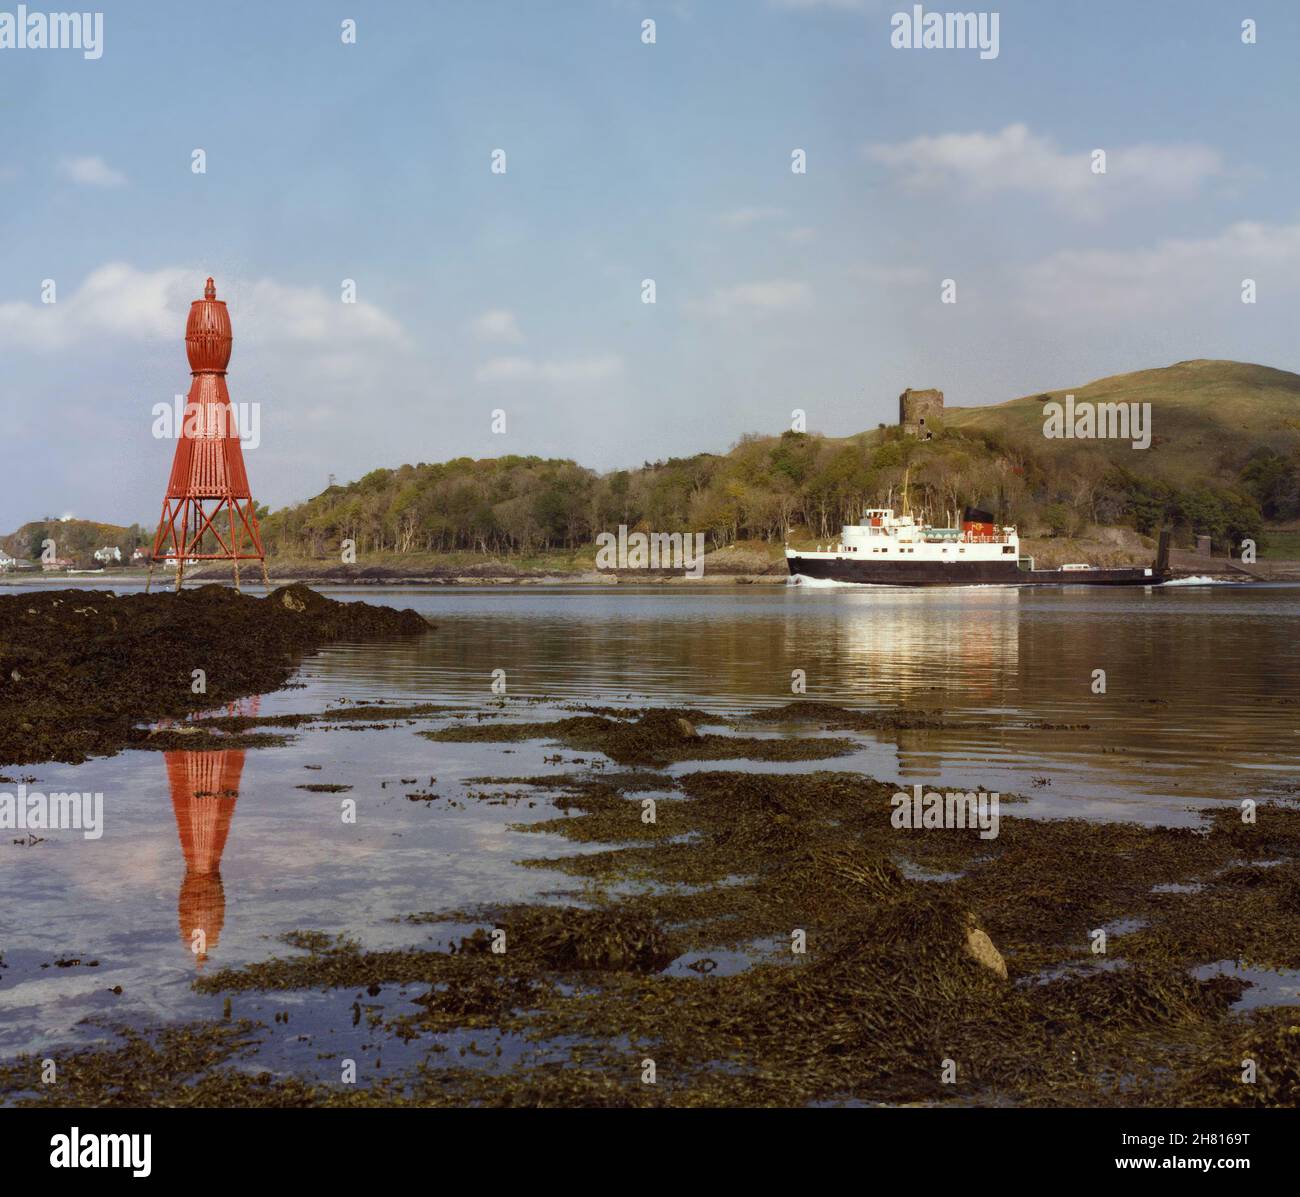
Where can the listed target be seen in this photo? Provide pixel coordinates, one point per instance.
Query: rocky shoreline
(777, 939)
(81, 670)
(760, 938)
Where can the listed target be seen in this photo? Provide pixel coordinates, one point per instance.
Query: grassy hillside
(1207, 418)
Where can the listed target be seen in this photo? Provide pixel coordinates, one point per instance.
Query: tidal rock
(979, 947)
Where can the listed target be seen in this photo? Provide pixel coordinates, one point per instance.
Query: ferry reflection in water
(908, 648)
(922, 657)
(204, 789)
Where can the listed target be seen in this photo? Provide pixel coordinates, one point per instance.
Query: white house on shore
(108, 553)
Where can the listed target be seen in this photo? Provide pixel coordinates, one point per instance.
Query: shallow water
(1201, 705)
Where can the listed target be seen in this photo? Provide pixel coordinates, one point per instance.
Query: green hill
(1207, 418)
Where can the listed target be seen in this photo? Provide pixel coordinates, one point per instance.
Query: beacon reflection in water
(204, 789)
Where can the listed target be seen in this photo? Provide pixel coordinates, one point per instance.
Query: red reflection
(204, 789)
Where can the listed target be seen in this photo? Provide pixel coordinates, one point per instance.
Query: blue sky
(625, 161)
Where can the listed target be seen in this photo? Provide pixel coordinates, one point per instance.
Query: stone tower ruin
(919, 412)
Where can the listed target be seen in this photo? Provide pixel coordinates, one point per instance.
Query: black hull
(964, 573)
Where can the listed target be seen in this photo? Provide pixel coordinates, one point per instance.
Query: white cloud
(568, 371)
(1015, 159)
(307, 314)
(119, 301)
(116, 300)
(498, 324)
(91, 171)
(778, 295)
(1174, 276)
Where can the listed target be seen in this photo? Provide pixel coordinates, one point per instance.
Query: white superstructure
(884, 536)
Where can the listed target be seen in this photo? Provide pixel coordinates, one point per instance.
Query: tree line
(770, 489)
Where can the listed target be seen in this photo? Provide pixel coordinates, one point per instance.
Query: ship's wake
(822, 583)
(1202, 580)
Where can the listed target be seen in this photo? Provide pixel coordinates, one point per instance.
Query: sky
(521, 291)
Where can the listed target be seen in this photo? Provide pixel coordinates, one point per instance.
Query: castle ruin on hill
(919, 411)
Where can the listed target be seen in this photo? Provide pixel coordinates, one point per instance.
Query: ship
(895, 550)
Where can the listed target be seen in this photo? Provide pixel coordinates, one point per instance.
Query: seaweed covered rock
(566, 938)
(656, 732)
(653, 737)
(79, 669)
(1271, 1041)
(321, 618)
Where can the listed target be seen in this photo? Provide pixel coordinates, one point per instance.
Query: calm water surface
(1202, 705)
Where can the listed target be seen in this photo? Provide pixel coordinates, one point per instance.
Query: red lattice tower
(208, 512)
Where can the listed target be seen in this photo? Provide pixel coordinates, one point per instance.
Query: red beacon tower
(207, 514)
